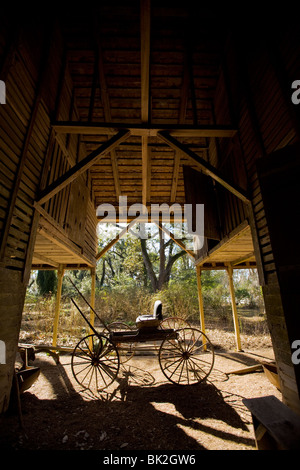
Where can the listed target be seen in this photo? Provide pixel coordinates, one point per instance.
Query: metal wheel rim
(187, 359)
(174, 323)
(95, 362)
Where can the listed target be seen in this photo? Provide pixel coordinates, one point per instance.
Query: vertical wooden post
(234, 310)
(60, 275)
(92, 302)
(200, 299)
(201, 307)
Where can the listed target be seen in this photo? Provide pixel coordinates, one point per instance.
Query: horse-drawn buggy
(185, 353)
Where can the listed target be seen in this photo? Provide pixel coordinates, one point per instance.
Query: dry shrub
(121, 304)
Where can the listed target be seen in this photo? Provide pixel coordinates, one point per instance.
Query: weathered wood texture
(264, 119)
(21, 168)
(260, 105)
(12, 293)
(133, 61)
(31, 159)
(276, 427)
(279, 175)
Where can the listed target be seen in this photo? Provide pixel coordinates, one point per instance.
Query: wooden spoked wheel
(95, 362)
(171, 323)
(186, 357)
(126, 350)
(174, 323)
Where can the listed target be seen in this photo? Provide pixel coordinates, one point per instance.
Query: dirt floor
(147, 413)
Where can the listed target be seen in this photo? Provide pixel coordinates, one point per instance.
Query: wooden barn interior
(162, 103)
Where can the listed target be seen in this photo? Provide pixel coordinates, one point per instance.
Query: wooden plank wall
(225, 154)
(257, 80)
(15, 118)
(21, 170)
(250, 96)
(72, 207)
(31, 62)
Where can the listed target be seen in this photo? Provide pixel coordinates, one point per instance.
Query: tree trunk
(148, 265)
(163, 278)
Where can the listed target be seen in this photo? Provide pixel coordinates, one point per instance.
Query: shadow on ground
(140, 413)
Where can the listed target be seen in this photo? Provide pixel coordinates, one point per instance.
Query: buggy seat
(151, 321)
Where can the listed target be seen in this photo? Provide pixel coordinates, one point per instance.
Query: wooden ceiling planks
(144, 77)
(236, 249)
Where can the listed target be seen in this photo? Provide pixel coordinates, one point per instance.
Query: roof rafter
(176, 130)
(205, 166)
(82, 166)
(106, 107)
(145, 7)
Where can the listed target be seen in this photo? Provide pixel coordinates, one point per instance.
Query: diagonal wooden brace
(82, 166)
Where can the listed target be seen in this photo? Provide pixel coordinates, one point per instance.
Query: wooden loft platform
(235, 250)
(56, 246)
(50, 252)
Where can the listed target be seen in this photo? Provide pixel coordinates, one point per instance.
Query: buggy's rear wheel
(95, 362)
(186, 357)
(174, 323)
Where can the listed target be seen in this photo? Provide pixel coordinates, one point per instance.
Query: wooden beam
(175, 177)
(106, 107)
(176, 240)
(200, 299)
(60, 276)
(242, 259)
(115, 240)
(205, 166)
(68, 267)
(182, 113)
(145, 12)
(234, 309)
(45, 259)
(146, 171)
(82, 166)
(93, 297)
(114, 165)
(145, 8)
(176, 130)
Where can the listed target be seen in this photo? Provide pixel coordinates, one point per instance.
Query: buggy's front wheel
(186, 357)
(95, 362)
